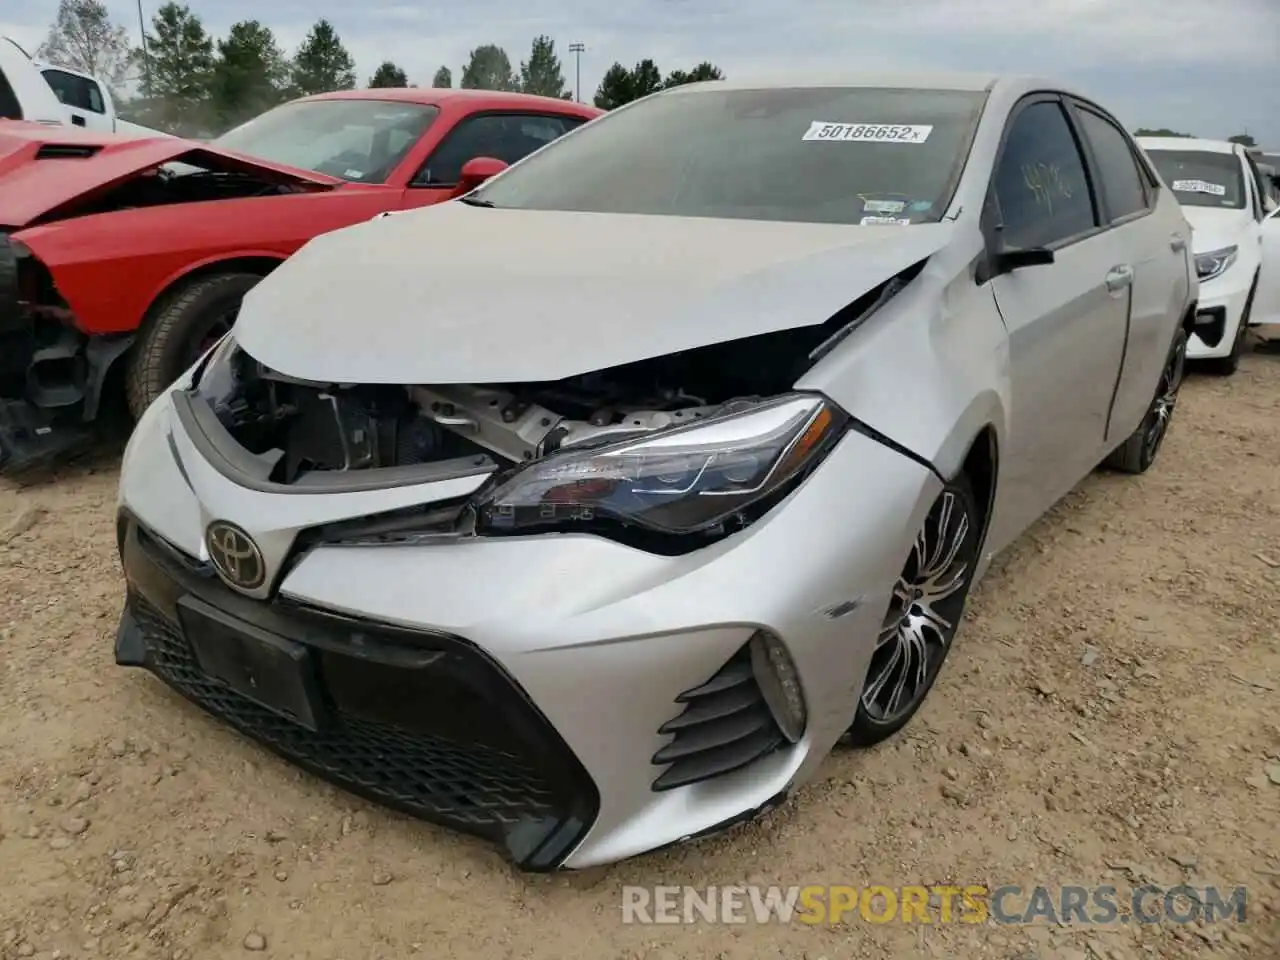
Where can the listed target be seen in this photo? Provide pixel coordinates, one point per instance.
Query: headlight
(1215, 263)
(706, 477)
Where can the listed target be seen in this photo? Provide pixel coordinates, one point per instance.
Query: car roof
(441, 96)
(1187, 143)
(894, 79)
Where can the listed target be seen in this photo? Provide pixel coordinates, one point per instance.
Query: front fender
(929, 370)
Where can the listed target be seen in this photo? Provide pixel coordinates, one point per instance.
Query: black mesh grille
(725, 725)
(479, 789)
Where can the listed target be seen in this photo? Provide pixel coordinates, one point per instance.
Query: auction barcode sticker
(868, 132)
(1199, 186)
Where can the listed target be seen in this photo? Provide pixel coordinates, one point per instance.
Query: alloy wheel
(924, 612)
(1157, 423)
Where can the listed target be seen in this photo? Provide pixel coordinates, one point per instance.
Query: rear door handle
(1119, 278)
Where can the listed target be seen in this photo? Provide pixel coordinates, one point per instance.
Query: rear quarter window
(10, 108)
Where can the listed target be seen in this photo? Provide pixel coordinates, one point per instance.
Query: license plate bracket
(274, 672)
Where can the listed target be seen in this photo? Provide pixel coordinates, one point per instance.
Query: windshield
(814, 155)
(357, 140)
(1200, 178)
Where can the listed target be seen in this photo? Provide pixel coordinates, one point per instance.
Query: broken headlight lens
(679, 481)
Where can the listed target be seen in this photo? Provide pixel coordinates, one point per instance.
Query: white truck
(46, 93)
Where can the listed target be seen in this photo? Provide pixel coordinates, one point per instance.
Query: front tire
(924, 614)
(187, 321)
(1138, 452)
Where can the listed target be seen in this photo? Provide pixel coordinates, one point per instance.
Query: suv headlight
(712, 476)
(1215, 263)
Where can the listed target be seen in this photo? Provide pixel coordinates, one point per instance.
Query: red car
(129, 257)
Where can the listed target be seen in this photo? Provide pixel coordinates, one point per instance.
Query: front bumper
(602, 644)
(1219, 314)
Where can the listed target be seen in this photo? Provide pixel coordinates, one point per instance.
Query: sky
(1208, 67)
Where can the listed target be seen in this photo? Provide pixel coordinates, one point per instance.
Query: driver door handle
(1119, 278)
(1177, 243)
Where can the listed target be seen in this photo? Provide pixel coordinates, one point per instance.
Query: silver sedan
(589, 512)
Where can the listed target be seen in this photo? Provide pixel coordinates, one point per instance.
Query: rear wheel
(924, 614)
(1139, 451)
(188, 321)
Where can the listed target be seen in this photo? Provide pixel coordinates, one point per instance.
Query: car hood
(44, 170)
(1213, 229)
(462, 294)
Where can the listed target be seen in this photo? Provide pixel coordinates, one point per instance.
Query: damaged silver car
(589, 512)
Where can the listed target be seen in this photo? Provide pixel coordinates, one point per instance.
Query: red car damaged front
(80, 212)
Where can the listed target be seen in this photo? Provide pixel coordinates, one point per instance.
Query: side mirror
(476, 171)
(1007, 261)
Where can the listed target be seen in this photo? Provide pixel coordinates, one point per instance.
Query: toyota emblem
(235, 556)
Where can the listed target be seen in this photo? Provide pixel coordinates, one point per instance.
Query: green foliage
(322, 63)
(542, 73)
(84, 38)
(704, 71)
(250, 75)
(621, 86)
(1244, 139)
(1161, 132)
(443, 78)
(388, 75)
(489, 68)
(179, 66)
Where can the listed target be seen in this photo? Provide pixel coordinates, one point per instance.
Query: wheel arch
(981, 466)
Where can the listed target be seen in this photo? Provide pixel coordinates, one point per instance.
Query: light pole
(146, 60)
(577, 50)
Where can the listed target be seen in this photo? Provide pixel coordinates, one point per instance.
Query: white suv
(1235, 237)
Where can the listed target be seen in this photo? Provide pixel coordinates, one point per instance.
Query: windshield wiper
(477, 202)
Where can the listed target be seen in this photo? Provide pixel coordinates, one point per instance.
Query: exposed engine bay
(303, 426)
(358, 427)
(182, 184)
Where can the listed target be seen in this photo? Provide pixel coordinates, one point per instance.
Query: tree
(322, 62)
(84, 38)
(1162, 132)
(488, 69)
(542, 73)
(250, 74)
(706, 70)
(180, 66)
(389, 75)
(1244, 139)
(443, 78)
(621, 85)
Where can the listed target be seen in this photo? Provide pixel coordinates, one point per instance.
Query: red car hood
(44, 169)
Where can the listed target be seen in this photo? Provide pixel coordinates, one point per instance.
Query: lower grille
(725, 726)
(467, 783)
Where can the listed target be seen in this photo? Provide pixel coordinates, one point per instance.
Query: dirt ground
(1108, 717)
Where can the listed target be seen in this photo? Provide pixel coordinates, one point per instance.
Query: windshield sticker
(354, 174)
(868, 132)
(873, 221)
(1199, 186)
(922, 206)
(884, 206)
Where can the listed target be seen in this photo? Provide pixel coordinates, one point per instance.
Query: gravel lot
(1109, 717)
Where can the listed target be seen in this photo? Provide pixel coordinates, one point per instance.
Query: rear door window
(1123, 184)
